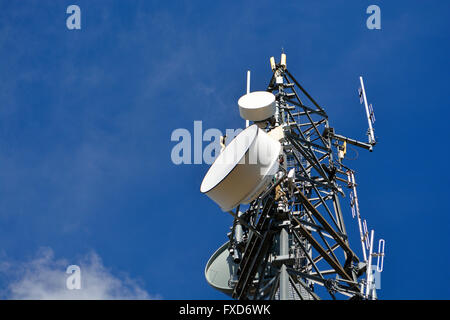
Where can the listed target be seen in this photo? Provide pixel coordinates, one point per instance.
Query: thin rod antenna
(355, 204)
(369, 281)
(284, 278)
(247, 122)
(371, 133)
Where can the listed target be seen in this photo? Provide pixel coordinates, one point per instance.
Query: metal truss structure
(291, 242)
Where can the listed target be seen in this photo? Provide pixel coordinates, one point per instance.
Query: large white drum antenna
(243, 169)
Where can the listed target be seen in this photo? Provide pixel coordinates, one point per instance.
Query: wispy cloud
(44, 278)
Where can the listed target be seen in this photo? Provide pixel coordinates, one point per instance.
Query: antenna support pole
(247, 123)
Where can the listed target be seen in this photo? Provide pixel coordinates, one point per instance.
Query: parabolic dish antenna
(243, 169)
(220, 269)
(257, 106)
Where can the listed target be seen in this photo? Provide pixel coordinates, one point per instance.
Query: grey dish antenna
(221, 270)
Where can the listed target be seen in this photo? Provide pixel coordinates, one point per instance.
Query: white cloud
(44, 278)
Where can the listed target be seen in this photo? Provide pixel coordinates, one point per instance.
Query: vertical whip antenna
(247, 122)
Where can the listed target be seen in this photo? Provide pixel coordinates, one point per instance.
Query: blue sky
(86, 118)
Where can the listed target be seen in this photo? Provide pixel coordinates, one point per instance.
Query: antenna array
(289, 240)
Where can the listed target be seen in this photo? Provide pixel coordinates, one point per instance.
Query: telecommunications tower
(282, 179)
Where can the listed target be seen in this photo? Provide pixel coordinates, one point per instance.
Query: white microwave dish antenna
(257, 105)
(243, 169)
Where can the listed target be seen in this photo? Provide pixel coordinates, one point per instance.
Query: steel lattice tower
(292, 239)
